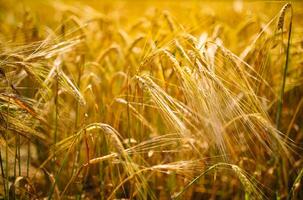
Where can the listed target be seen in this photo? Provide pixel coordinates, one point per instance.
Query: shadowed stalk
(78, 148)
(282, 88)
(54, 159)
(280, 171)
(3, 177)
(6, 151)
(19, 156)
(56, 111)
(64, 162)
(17, 159)
(15, 164)
(28, 160)
(101, 172)
(127, 108)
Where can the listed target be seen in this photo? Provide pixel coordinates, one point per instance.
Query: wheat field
(151, 99)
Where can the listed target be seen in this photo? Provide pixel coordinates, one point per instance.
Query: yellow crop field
(151, 99)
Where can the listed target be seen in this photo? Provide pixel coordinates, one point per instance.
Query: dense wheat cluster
(151, 100)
